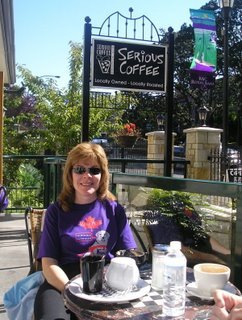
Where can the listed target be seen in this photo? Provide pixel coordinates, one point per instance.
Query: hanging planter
(126, 141)
(127, 136)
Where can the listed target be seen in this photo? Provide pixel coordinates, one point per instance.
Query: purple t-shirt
(100, 227)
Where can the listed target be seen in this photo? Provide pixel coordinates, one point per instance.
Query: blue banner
(205, 53)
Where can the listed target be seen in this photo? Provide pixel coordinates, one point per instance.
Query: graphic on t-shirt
(84, 237)
(90, 223)
(100, 245)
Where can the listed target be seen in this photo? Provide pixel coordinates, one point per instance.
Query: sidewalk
(14, 259)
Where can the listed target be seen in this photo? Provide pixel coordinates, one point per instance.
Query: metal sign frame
(139, 29)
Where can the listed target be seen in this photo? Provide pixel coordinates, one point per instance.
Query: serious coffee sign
(128, 66)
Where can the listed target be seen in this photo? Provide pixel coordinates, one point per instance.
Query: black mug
(92, 267)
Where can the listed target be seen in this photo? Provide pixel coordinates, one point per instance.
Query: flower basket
(126, 141)
(127, 136)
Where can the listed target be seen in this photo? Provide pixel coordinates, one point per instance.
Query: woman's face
(86, 179)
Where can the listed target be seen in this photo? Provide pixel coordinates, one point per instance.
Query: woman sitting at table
(85, 219)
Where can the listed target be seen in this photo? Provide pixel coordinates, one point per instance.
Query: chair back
(34, 221)
(138, 239)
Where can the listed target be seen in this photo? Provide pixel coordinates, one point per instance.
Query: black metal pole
(226, 11)
(169, 105)
(86, 80)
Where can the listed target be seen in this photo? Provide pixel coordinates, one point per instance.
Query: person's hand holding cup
(210, 276)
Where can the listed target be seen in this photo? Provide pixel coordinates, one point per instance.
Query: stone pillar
(199, 142)
(155, 151)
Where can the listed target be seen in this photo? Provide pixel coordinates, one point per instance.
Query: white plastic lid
(175, 245)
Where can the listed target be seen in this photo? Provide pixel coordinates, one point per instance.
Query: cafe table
(148, 306)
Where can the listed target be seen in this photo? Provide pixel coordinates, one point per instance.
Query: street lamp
(160, 122)
(226, 6)
(202, 114)
(49, 76)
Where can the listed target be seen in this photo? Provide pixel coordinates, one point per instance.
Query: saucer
(108, 295)
(193, 290)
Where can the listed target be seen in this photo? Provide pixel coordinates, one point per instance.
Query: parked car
(233, 157)
(104, 143)
(179, 151)
(179, 155)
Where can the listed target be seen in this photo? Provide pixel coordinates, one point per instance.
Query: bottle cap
(161, 247)
(175, 245)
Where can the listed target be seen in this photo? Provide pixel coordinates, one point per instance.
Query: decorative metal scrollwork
(141, 28)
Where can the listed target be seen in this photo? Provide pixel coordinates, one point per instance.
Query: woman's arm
(216, 246)
(195, 255)
(54, 274)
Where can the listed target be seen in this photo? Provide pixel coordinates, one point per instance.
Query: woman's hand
(54, 274)
(227, 306)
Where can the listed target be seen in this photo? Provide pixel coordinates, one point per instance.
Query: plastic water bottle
(174, 286)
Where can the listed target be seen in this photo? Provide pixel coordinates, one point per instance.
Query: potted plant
(127, 135)
(170, 215)
(176, 211)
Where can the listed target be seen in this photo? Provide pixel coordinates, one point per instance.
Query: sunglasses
(80, 170)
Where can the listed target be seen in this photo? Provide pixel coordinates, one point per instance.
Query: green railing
(51, 167)
(24, 197)
(202, 187)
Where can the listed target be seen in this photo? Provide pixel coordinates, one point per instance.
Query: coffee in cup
(210, 276)
(122, 273)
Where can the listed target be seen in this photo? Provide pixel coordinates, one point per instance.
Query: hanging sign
(202, 79)
(128, 66)
(234, 175)
(203, 66)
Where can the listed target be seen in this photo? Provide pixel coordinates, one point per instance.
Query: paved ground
(14, 261)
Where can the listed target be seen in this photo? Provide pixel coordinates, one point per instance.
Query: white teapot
(122, 273)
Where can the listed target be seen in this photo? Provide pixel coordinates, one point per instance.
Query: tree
(187, 100)
(47, 119)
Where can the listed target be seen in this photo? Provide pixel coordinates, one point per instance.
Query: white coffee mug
(210, 276)
(122, 273)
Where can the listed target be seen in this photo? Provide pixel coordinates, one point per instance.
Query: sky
(44, 28)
